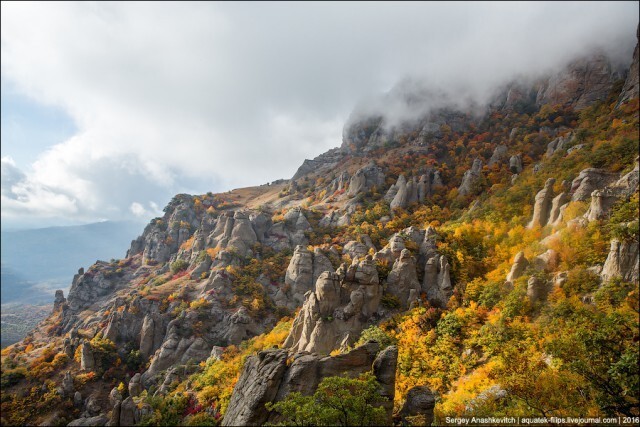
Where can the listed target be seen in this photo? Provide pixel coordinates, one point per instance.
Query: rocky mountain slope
(458, 258)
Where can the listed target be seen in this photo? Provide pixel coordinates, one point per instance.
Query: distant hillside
(36, 262)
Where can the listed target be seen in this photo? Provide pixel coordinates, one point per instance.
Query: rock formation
(622, 261)
(520, 264)
(336, 311)
(631, 87)
(580, 84)
(403, 278)
(471, 179)
(559, 143)
(59, 301)
(515, 163)
(602, 200)
(537, 289)
(557, 204)
(499, 154)
(437, 282)
(267, 377)
(365, 178)
(304, 269)
(420, 402)
(542, 205)
(87, 362)
(589, 180)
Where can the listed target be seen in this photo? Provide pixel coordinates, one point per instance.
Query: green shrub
(179, 265)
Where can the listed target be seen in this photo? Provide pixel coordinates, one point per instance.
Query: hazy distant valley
(36, 262)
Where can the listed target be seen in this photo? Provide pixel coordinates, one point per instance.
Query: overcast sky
(109, 109)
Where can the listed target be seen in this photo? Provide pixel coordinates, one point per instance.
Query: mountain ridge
(381, 226)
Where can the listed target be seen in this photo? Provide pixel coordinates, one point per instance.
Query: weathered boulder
(542, 205)
(602, 200)
(68, 348)
(559, 143)
(400, 200)
(87, 361)
(403, 278)
(622, 261)
(59, 301)
(384, 368)
(392, 250)
(515, 163)
(135, 386)
(520, 264)
(334, 314)
(547, 261)
(499, 154)
(370, 175)
(67, 384)
(589, 180)
(299, 273)
(355, 249)
(98, 420)
(127, 412)
(114, 396)
(437, 281)
(437, 181)
(419, 403)
(257, 385)
(77, 400)
(424, 187)
(537, 289)
(471, 179)
(92, 407)
(557, 204)
(304, 269)
(267, 378)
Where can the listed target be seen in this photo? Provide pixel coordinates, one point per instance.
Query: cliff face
(358, 236)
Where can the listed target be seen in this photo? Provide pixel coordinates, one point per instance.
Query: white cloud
(174, 97)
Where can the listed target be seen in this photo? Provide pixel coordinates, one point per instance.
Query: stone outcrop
(602, 200)
(437, 281)
(334, 314)
(537, 289)
(403, 278)
(267, 378)
(559, 143)
(589, 180)
(499, 154)
(98, 420)
(135, 386)
(580, 84)
(304, 269)
(365, 178)
(406, 192)
(59, 301)
(622, 261)
(515, 163)
(67, 386)
(542, 205)
(547, 261)
(355, 249)
(520, 264)
(392, 250)
(471, 179)
(631, 87)
(324, 163)
(87, 361)
(257, 385)
(557, 207)
(420, 402)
